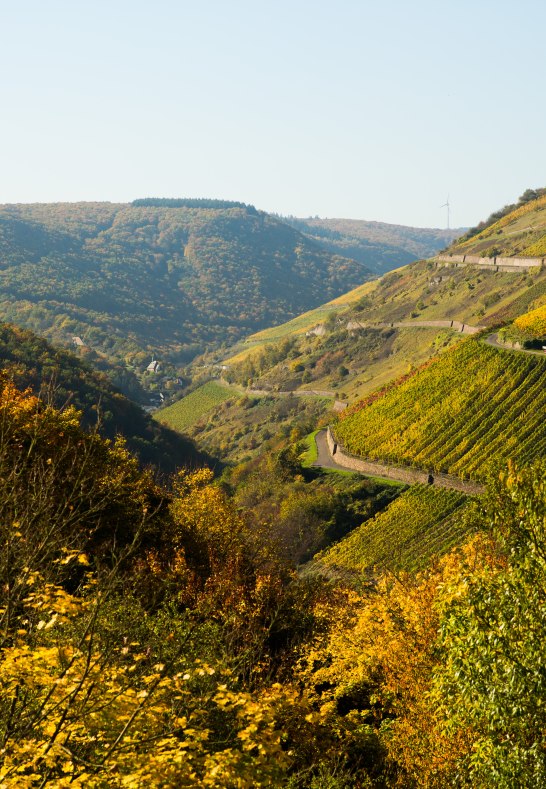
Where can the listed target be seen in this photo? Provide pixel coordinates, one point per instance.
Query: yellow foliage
(75, 714)
(536, 250)
(379, 659)
(533, 322)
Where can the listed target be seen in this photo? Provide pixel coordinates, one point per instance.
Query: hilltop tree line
(526, 197)
(186, 202)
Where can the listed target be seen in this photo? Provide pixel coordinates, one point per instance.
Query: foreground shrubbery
(444, 672)
(154, 636)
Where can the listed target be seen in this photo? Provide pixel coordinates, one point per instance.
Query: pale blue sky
(369, 110)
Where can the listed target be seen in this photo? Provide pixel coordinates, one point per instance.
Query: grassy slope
(520, 232)
(421, 523)
(472, 409)
(241, 427)
(419, 292)
(299, 325)
(187, 411)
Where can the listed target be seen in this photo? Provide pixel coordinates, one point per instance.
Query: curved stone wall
(410, 476)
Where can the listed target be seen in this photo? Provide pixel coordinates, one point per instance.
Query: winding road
(324, 458)
(407, 476)
(372, 468)
(493, 339)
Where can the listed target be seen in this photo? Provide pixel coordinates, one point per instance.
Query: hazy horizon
(220, 197)
(365, 112)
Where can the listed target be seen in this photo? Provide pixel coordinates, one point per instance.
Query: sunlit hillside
(169, 278)
(466, 414)
(518, 229)
(421, 524)
(352, 346)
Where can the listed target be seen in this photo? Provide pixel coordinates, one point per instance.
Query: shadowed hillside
(62, 379)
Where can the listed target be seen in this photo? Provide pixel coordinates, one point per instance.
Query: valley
(320, 558)
(351, 347)
(272, 396)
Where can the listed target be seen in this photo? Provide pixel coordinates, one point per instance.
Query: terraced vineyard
(466, 413)
(421, 523)
(181, 415)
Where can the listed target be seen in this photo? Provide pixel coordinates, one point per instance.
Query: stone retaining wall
(519, 262)
(405, 474)
(295, 393)
(503, 263)
(464, 328)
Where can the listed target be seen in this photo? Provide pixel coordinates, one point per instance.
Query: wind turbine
(446, 205)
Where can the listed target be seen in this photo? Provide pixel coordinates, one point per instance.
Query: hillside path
(376, 469)
(324, 458)
(493, 339)
(245, 390)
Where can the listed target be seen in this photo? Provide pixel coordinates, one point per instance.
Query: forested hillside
(378, 245)
(159, 277)
(63, 380)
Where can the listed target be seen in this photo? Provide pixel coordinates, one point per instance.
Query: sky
(357, 109)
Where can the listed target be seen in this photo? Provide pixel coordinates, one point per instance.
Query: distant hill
(62, 379)
(377, 245)
(169, 277)
(518, 229)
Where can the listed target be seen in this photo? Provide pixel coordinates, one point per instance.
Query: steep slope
(355, 332)
(423, 522)
(349, 348)
(167, 277)
(533, 322)
(466, 413)
(518, 229)
(62, 379)
(378, 245)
